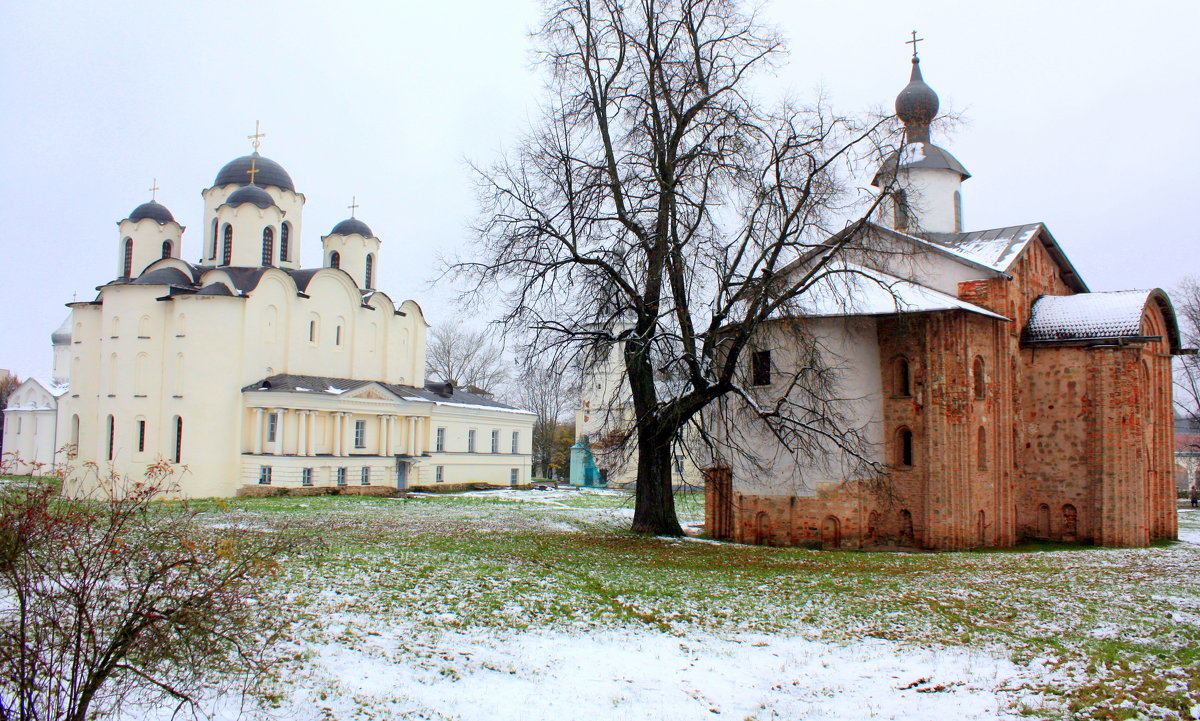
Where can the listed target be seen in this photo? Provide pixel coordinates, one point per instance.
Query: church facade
(997, 398)
(247, 369)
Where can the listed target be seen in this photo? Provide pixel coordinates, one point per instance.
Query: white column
(391, 449)
(347, 439)
(279, 431)
(412, 435)
(335, 422)
(258, 431)
(385, 436)
(312, 429)
(302, 433)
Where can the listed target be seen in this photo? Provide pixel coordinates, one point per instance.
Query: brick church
(1001, 398)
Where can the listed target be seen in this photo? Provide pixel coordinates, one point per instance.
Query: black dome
(237, 172)
(350, 226)
(154, 211)
(917, 105)
(250, 194)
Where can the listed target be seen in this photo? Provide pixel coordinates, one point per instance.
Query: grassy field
(411, 605)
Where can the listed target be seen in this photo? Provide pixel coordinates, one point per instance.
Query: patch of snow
(334, 391)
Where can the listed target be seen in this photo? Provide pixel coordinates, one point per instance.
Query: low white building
(29, 425)
(248, 369)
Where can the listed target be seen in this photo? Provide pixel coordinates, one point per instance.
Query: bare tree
(658, 207)
(118, 599)
(550, 394)
(465, 357)
(1187, 372)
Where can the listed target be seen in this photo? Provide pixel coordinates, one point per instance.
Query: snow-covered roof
(851, 290)
(999, 248)
(1087, 316)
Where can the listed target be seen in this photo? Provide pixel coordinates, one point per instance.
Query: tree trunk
(654, 508)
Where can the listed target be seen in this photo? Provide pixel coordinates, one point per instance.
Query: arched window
(370, 276)
(903, 378)
(979, 378)
(268, 254)
(285, 232)
(335, 260)
(227, 246)
(213, 254)
(178, 438)
(900, 203)
(167, 249)
(1043, 521)
(904, 448)
(981, 528)
(906, 535)
(981, 449)
(127, 265)
(957, 212)
(312, 331)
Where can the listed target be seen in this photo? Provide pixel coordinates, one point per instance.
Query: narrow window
(440, 443)
(166, 249)
(360, 434)
(903, 379)
(312, 331)
(141, 431)
(268, 248)
(335, 260)
(285, 231)
(370, 276)
(904, 440)
(366, 476)
(127, 267)
(514, 476)
(112, 432)
(760, 368)
(495, 441)
(516, 441)
(337, 335)
(679, 465)
(306, 476)
(341, 476)
(215, 228)
(958, 212)
(900, 201)
(272, 426)
(979, 377)
(178, 438)
(227, 246)
(981, 447)
(471, 441)
(439, 473)
(264, 475)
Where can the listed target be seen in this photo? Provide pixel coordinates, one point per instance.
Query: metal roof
(432, 392)
(237, 172)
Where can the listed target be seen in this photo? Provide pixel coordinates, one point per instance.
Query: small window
(268, 247)
(495, 441)
(900, 203)
(439, 473)
(337, 335)
(440, 441)
(370, 276)
(679, 465)
(514, 476)
(306, 476)
(285, 231)
(312, 331)
(980, 378)
(958, 224)
(904, 441)
(215, 228)
(178, 439)
(360, 434)
(272, 426)
(167, 249)
(366, 475)
(335, 260)
(516, 442)
(760, 368)
(141, 434)
(341, 476)
(264, 475)
(127, 265)
(112, 432)
(227, 246)
(903, 378)
(471, 441)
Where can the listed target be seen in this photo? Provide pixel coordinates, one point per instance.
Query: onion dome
(154, 211)
(250, 194)
(917, 106)
(352, 226)
(62, 336)
(237, 172)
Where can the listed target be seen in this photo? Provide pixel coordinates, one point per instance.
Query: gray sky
(1079, 114)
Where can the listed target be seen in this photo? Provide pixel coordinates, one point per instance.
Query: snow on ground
(1189, 525)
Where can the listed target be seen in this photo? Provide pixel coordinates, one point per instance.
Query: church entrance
(401, 473)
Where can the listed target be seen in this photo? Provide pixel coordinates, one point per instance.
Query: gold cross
(153, 189)
(914, 42)
(255, 139)
(253, 169)
(353, 205)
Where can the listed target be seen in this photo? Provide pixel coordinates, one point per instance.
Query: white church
(246, 369)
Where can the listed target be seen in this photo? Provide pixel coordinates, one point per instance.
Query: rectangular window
(272, 426)
(341, 476)
(360, 434)
(306, 476)
(441, 440)
(679, 465)
(514, 476)
(471, 441)
(141, 436)
(264, 475)
(516, 442)
(366, 475)
(760, 368)
(495, 441)
(439, 473)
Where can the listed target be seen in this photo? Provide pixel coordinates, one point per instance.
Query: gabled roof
(1091, 318)
(432, 392)
(999, 248)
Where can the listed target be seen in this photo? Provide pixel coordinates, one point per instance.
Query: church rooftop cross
(914, 42)
(353, 205)
(256, 139)
(154, 190)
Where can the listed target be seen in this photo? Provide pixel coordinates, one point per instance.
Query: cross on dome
(914, 42)
(353, 205)
(256, 139)
(154, 190)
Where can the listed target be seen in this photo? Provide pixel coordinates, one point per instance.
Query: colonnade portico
(396, 433)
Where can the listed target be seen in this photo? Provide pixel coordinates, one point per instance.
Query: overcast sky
(1081, 115)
